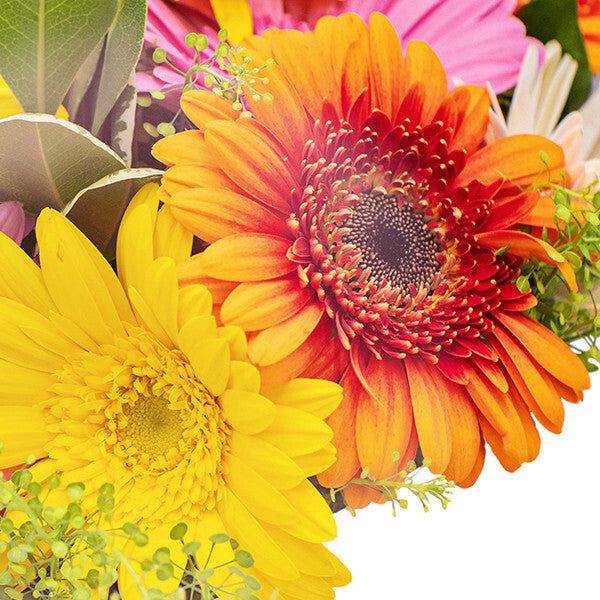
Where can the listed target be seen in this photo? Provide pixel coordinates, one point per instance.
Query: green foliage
(228, 72)
(65, 552)
(557, 20)
(403, 479)
(573, 316)
(44, 44)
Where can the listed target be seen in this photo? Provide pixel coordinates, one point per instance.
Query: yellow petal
(246, 411)
(21, 385)
(268, 556)
(234, 16)
(161, 293)
(200, 530)
(69, 269)
(158, 538)
(297, 432)
(16, 347)
(316, 462)
(316, 396)
(259, 496)
(21, 279)
(23, 432)
(194, 301)
(210, 360)
(314, 521)
(135, 246)
(244, 376)
(146, 317)
(273, 464)
(171, 238)
(236, 338)
(310, 558)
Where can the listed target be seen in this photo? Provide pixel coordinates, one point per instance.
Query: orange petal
(522, 244)
(286, 117)
(359, 496)
(472, 103)
(202, 107)
(428, 407)
(547, 349)
(387, 65)
(247, 257)
(183, 177)
(343, 423)
(262, 304)
(190, 272)
(423, 65)
(384, 425)
(515, 158)
(250, 160)
(275, 343)
(186, 147)
(464, 430)
(330, 363)
(505, 212)
(212, 213)
(474, 474)
(522, 369)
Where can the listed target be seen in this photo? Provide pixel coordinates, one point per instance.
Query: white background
(529, 535)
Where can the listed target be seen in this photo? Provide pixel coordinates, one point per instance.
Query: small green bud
(93, 578)
(165, 129)
(53, 481)
(244, 559)
(191, 39)
(150, 130)
(161, 556)
(75, 490)
(267, 98)
(426, 461)
(144, 100)
(201, 43)
(237, 105)
(544, 156)
(219, 538)
(178, 532)
(191, 548)
(222, 35)
(157, 95)
(140, 539)
(165, 571)
(59, 549)
(159, 55)
(395, 456)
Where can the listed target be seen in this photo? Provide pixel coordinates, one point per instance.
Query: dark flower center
(394, 242)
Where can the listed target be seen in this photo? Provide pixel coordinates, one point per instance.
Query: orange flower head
(359, 232)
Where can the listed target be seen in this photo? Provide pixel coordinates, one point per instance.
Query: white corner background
(529, 535)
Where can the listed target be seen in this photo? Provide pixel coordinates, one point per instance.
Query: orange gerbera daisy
(359, 233)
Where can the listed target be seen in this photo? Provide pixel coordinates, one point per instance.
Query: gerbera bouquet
(265, 260)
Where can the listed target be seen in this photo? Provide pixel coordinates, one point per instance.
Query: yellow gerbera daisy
(130, 380)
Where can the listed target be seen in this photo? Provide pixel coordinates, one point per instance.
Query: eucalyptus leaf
(557, 20)
(46, 161)
(121, 52)
(45, 42)
(122, 121)
(97, 209)
(82, 80)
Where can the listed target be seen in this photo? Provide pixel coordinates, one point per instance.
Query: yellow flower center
(136, 412)
(152, 427)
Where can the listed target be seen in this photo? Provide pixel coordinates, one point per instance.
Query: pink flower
(476, 40)
(14, 222)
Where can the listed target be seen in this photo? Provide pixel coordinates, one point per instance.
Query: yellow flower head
(130, 380)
